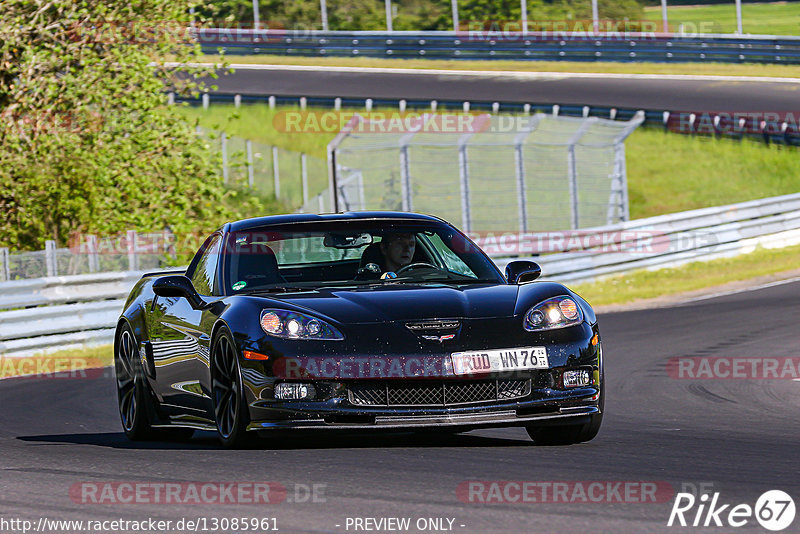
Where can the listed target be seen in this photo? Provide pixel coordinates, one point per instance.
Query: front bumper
(487, 419)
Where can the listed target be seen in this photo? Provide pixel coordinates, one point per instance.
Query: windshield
(338, 253)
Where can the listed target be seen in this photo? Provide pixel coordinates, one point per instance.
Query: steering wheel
(417, 265)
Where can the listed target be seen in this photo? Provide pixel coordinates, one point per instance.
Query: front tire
(227, 393)
(566, 434)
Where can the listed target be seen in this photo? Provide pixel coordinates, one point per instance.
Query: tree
(87, 142)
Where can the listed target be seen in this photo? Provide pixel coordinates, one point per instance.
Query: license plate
(486, 361)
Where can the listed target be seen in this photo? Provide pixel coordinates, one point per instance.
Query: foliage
(413, 14)
(87, 142)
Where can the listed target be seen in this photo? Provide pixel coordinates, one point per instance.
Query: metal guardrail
(551, 46)
(62, 312)
(783, 130)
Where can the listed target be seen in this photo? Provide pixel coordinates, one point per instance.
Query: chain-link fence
(293, 177)
(488, 173)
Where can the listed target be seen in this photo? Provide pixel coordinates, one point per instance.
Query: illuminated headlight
(576, 379)
(557, 312)
(293, 325)
(294, 391)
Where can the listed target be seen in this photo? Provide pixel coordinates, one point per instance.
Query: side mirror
(178, 286)
(522, 272)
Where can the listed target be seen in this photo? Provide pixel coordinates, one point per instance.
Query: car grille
(436, 393)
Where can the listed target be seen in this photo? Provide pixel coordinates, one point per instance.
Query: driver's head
(398, 250)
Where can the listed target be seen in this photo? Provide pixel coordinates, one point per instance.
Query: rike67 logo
(774, 510)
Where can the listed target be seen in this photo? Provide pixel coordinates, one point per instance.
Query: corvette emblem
(440, 339)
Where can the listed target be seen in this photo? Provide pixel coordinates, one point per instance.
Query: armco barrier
(52, 313)
(783, 130)
(550, 46)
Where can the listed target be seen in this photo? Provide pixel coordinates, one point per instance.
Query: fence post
(93, 256)
(454, 5)
(133, 263)
(572, 168)
(276, 173)
(256, 15)
(463, 171)
(304, 177)
(524, 10)
(405, 179)
(521, 193)
(237, 100)
(250, 170)
(224, 139)
(323, 7)
(50, 258)
(205, 100)
(388, 15)
(5, 268)
(619, 155)
(572, 175)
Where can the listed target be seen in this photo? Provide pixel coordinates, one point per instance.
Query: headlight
(557, 312)
(293, 325)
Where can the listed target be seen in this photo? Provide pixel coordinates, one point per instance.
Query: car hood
(406, 302)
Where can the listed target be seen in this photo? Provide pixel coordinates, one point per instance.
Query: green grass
(643, 284)
(774, 18)
(57, 362)
(716, 69)
(667, 172)
(670, 172)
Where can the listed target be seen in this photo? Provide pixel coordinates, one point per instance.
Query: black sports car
(355, 321)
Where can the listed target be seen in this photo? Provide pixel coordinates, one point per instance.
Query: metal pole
(739, 17)
(620, 156)
(256, 17)
(333, 179)
(463, 171)
(595, 17)
(454, 4)
(405, 179)
(304, 177)
(224, 138)
(388, 15)
(521, 193)
(5, 268)
(250, 170)
(50, 258)
(323, 7)
(276, 173)
(573, 185)
(93, 257)
(664, 21)
(524, 8)
(132, 263)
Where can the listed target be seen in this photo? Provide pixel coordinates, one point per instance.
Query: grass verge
(767, 18)
(64, 363)
(605, 67)
(643, 284)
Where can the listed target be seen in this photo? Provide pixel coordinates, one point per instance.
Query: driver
(397, 250)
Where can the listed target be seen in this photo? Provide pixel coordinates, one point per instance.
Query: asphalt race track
(674, 94)
(738, 437)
